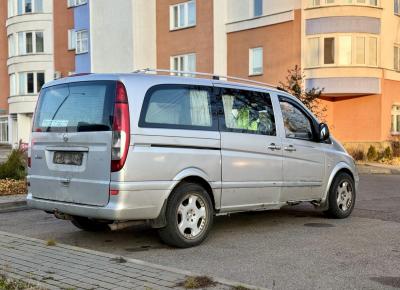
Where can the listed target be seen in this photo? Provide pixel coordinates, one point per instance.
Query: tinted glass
(297, 124)
(30, 83)
(248, 112)
(28, 6)
(76, 107)
(178, 106)
(29, 43)
(329, 50)
(39, 81)
(39, 42)
(258, 7)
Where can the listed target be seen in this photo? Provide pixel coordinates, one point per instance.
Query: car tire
(89, 225)
(189, 215)
(342, 196)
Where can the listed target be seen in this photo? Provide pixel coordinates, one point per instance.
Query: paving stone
(63, 267)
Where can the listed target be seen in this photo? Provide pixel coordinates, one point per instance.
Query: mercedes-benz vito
(112, 149)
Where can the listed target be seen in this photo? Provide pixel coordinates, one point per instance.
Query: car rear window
(76, 107)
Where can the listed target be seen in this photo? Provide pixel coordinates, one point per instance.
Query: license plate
(68, 158)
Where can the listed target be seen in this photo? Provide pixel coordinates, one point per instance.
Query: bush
(15, 166)
(396, 148)
(387, 154)
(372, 154)
(357, 154)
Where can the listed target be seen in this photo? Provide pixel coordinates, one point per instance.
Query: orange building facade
(351, 49)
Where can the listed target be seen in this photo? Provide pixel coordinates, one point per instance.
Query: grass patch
(197, 282)
(12, 284)
(51, 243)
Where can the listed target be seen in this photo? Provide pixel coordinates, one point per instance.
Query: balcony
(344, 81)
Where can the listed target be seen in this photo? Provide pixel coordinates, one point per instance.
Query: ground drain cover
(319, 225)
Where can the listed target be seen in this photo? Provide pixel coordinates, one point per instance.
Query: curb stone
(376, 169)
(219, 280)
(13, 206)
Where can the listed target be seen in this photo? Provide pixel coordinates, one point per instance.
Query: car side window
(297, 123)
(248, 112)
(179, 107)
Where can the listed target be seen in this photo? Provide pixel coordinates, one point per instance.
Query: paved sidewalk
(67, 267)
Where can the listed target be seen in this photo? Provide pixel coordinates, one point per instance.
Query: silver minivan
(111, 150)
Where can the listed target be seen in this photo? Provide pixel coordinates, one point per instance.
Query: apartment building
(110, 37)
(350, 48)
(4, 82)
(36, 32)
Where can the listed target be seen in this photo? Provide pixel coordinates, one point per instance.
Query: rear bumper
(127, 205)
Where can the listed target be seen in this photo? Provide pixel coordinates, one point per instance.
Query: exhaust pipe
(123, 225)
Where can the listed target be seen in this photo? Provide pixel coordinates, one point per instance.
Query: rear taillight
(30, 146)
(121, 129)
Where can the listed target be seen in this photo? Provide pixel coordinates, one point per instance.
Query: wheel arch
(339, 168)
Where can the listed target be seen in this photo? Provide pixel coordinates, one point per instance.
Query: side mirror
(323, 132)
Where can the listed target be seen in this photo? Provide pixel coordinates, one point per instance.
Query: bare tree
(293, 84)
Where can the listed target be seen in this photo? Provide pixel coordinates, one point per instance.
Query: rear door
(71, 143)
(251, 150)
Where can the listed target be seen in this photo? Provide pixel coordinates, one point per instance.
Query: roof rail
(213, 76)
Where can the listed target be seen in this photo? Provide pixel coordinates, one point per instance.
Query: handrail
(213, 76)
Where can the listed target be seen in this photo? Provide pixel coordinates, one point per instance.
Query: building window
(397, 7)
(257, 8)
(10, 8)
(256, 61)
(396, 119)
(29, 6)
(345, 45)
(71, 39)
(313, 52)
(4, 130)
(373, 51)
(329, 50)
(344, 50)
(316, 3)
(82, 41)
(397, 58)
(183, 15)
(30, 42)
(30, 82)
(74, 3)
(13, 85)
(360, 50)
(185, 63)
(11, 45)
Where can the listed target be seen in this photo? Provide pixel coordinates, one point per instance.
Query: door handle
(290, 148)
(273, 147)
(65, 182)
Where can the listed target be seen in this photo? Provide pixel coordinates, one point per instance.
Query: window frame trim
(185, 6)
(145, 106)
(314, 122)
(251, 61)
(222, 123)
(367, 50)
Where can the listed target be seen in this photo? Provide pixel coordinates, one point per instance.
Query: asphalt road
(295, 248)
